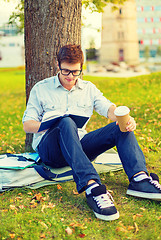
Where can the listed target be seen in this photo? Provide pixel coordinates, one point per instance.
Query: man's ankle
(91, 181)
(90, 186)
(141, 172)
(140, 176)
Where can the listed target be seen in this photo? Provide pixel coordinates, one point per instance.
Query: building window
(155, 41)
(149, 19)
(121, 55)
(146, 42)
(156, 19)
(141, 53)
(11, 44)
(153, 53)
(120, 35)
(148, 30)
(157, 8)
(147, 8)
(139, 30)
(138, 9)
(140, 19)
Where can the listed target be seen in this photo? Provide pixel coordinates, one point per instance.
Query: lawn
(53, 212)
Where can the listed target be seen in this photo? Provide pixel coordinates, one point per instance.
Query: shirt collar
(57, 82)
(79, 83)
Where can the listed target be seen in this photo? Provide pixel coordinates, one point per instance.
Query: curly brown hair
(70, 53)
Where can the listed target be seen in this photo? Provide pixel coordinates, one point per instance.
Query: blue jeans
(60, 147)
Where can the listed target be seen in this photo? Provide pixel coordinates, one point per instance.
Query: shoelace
(104, 200)
(155, 183)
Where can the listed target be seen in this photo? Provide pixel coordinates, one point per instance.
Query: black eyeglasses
(66, 72)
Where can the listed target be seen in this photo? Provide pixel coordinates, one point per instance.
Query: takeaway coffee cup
(122, 115)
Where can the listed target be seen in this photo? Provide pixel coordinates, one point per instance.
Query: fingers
(131, 125)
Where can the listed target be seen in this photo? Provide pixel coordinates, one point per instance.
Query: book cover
(50, 119)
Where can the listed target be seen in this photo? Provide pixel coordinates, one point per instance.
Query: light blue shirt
(50, 95)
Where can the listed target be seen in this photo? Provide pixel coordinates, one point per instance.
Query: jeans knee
(67, 122)
(118, 134)
(118, 131)
(113, 127)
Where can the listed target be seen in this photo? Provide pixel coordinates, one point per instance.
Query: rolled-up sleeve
(101, 103)
(33, 109)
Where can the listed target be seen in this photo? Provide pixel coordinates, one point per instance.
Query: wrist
(110, 113)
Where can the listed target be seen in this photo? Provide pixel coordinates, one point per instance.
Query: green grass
(46, 213)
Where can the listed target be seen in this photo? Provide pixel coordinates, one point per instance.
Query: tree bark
(49, 24)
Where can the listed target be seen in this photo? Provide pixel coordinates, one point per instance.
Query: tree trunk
(49, 24)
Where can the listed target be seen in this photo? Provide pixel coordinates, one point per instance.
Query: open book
(50, 118)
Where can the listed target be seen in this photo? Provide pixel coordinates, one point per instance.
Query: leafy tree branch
(17, 17)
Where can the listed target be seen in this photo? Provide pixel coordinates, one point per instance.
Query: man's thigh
(49, 149)
(96, 142)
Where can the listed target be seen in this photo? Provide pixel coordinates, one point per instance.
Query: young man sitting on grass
(64, 144)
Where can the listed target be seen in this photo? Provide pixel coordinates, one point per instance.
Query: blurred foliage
(17, 17)
(98, 5)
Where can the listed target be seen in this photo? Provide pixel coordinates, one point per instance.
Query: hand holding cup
(122, 115)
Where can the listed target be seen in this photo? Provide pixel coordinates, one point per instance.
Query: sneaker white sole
(152, 196)
(107, 218)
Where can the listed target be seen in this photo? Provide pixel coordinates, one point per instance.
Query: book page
(51, 114)
(108, 158)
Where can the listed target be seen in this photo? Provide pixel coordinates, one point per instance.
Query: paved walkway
(122, 74)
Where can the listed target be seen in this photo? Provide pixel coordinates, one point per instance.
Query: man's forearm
(31, 126)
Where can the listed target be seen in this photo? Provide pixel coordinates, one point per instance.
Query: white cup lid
(121, 111)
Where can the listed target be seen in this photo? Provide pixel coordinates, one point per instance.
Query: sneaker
(101, 202)
(146, 188)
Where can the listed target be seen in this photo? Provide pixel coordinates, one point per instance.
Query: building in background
(11, 47)
(149, 29)
(119, 34)
(133, 33)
